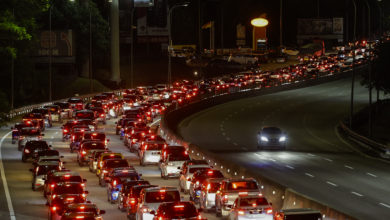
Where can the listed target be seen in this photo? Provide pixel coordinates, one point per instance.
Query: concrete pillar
(115, 60)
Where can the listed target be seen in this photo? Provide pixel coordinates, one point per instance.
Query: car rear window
(179, 157)
(88, 146)
(42, 170)
(242, 185)
(112, 156)
(116, 163)
(95, 136)
(154, 147)
(193, 170)
(253, 202)
(179, 211)
(85, 115)
(68, 189)
(65, 178)
(30, 132)
(162, 196)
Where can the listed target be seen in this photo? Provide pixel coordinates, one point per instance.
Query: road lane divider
(4, 180)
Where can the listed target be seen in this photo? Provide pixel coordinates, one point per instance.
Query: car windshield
(87, 115)
(88, 146)
(68, 189)
(194, 169)
(179, 211)
(154, 146)
(95, 136)
(162, 196)
(128, 175)
(37, 145)
(179, 157)
(253, 202)
(30, 131)
(67, 178)
(239, 185)
(272, 130)
(116, 163)
(43, 169)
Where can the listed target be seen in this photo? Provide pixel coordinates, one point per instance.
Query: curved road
(317, 162)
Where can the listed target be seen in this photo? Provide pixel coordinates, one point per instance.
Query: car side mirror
(84, 180)
(86, 192)
(12, 128)
(153, 212)
(116, 189)
(108, 140)
(140, 174)
(179, 168)
(64, 162)
(270, 203)
(102, 212)
(31, 170)
(44, 135)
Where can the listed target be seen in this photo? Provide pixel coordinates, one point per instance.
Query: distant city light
(259, 22)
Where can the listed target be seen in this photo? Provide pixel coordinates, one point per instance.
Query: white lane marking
(332, 184)
(223, 133)
(311, 154)
(327, 159)
(349, 167)
(310, 175)
(290, 167)
(228, 138)
(154, 123)
(373, 175)
(4, 179)
(273, 160)
(56, 132)
(244, 148)
(357, 194)
(52, 137)
(235, 144)
(385, 205)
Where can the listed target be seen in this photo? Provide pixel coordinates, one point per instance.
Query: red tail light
(225, 198)
(114, 183)
(65, 131)
(54, 208)
(132, 201)
(52, 185)
(26, 151)
(84, 152)
(269, 211)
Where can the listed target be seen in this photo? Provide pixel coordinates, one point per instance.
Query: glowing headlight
(264, 138)
(281, 139)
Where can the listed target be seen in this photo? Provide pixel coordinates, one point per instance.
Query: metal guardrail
(360, 139)
(26, 109)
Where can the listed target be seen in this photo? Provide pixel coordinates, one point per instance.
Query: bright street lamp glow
(259, 22)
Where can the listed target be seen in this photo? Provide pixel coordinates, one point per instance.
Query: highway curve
(317, 162)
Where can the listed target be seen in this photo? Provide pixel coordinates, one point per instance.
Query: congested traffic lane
(317, 162)
(31, 205)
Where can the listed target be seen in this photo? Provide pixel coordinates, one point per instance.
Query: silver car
(171, 165)
(40, 171)
(150, 153)
(271, 138)
(251, 207)
(207, 195)
(151, 198)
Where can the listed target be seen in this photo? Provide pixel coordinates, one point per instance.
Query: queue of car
(135, 111)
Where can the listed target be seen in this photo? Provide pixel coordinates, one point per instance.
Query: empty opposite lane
(316, 163)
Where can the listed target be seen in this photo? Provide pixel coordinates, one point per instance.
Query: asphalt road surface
(28, 204)
(317, 162)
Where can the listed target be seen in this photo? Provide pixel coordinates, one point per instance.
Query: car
(40, 171)
(124, 193)
(300, 213)
(32, 147)
(198, 179)
(131, 201)
(132, 140)
(96, 135)
(76, 103)
(208, 190)
(76, 137)
(150, 153)
(108, 166)
(94, 157)
(172, 159)
(46, 116)
(106, 156)
(271, 138)
(232, 188)
(65, 193)
(65, 109)
(151, 198)
(186, 176)
(85, 114)
(251, 207)
(177, 210)
(86, 148)
(115, 180)
(27, 134)
(37, 119)
(54, 177)
(49, 159)
(16, 129)
(55, 112)
(78, 211)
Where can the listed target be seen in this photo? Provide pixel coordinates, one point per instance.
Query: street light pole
(170, 41)
(132, 47)
(369, 19)
(281, 24)
(50, 70)
(90, 51)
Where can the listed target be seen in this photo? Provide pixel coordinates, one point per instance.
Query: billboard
(143, 3)
(320, 26)
(152, 26)
(61, 43)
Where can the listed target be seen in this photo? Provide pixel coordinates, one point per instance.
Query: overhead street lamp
(170, 40)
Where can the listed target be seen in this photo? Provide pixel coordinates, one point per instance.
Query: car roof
(72, 173)
(48, 163)
(158, 188)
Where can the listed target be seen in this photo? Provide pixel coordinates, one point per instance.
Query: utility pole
(50, 95)
(353, 67)
(132, 46)
(90, 51)
(281, 24)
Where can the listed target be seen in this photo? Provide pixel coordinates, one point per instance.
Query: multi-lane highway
(28, 204)
(317, 162)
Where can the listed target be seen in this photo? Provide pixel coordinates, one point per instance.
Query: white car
(170, 166)
(151, 198)
(251, 207)
(186, 176)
